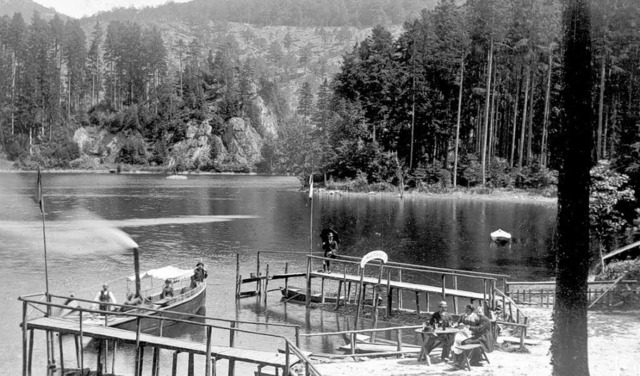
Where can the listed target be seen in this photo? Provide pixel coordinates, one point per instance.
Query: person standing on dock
(330, 248)
(105, 297)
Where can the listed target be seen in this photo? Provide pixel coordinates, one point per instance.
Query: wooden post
(259, 281)
(418, 303)
(138, 355)
(426, 295)
(30, 363)
(266, 284)
(155, 364)
(484, 295)
(389, 294)
(287, 359)
(75, 341)
(61, 355)
(238, 277)
(113, 357)
(400, 306)
(344, 282)
(353, 343)
(297, 336)
(25, 340)
(308, 298)
(286, 280)
(399, 336)
(349, 292)
(141, 363)
(338, 296)
(213, 366)
(190, 370)
(360, 300)
(455, 297)
(232, 343)
(106, 356)
(376, 295)
(174, 367)
(207, 369)
(81, 343)
(541, 298)
(444, 286)
(322, 290)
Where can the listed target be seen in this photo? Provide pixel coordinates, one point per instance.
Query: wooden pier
(103, 334)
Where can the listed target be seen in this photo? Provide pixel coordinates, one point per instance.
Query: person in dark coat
(330, 248)
(480, 334)
(441, 320)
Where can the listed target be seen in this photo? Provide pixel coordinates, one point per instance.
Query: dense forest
(466, 94)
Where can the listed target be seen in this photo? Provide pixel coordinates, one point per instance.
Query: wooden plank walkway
(66, 326)
(400, 285)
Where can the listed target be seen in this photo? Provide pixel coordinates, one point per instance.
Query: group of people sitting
(474, 327)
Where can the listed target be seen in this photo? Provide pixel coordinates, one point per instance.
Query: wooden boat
(501, 236)
(300, 295)
(149, 285)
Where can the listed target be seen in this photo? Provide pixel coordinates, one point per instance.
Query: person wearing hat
(441, 320)
(199, 274)
(330, 248)
(167, 291)
(105, 297)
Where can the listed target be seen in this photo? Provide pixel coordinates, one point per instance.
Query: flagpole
(311, 215)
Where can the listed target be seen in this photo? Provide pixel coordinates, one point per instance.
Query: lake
(213, 218)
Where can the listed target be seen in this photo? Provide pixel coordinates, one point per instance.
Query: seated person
(480, 334)
(167, 291)
(469, 317)
(199, 274)
(131, 302)
(73, 306)
(463, 334)
(440, 320)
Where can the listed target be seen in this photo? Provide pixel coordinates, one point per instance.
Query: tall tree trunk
(524, 115)
(492, 119)
(530, 120)
(486, 112)
(605, 133)
(569, 339)
(601, 105)
(515, 124)
(455, 154)
(13, 92)
(547, 110)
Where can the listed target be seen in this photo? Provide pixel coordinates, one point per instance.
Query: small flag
(311, 186)
(38, 195)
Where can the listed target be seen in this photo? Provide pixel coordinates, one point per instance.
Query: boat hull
(189, 305)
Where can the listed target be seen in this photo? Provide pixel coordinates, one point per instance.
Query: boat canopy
(168, 272)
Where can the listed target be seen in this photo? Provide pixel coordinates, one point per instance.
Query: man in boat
(441, 320)
(131, 302)
(199, 274)
(104, 296)
(73, 305)
(330, 248)
(167, 291)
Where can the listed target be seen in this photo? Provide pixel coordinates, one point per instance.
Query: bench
(467, 351)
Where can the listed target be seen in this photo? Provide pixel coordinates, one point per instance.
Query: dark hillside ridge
(300, 13)
(26, 8)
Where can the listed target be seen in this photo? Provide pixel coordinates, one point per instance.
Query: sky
(81, 8)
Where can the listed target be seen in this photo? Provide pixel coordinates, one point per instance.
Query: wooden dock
(65, 326)
(401, 285)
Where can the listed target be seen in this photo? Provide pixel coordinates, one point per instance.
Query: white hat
(443, 304)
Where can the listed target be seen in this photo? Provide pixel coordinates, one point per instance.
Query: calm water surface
(216, 217)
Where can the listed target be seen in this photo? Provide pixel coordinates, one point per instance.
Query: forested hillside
(291, 88)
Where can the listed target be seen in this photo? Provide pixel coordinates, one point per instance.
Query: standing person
(104, 296)
(330, 248)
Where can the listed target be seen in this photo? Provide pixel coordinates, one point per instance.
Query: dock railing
(32, 304)
(445, 279)
(353, 339)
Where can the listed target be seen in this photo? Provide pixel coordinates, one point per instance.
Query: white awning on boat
(168, 272)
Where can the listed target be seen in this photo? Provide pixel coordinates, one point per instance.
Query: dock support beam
(174, 366)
